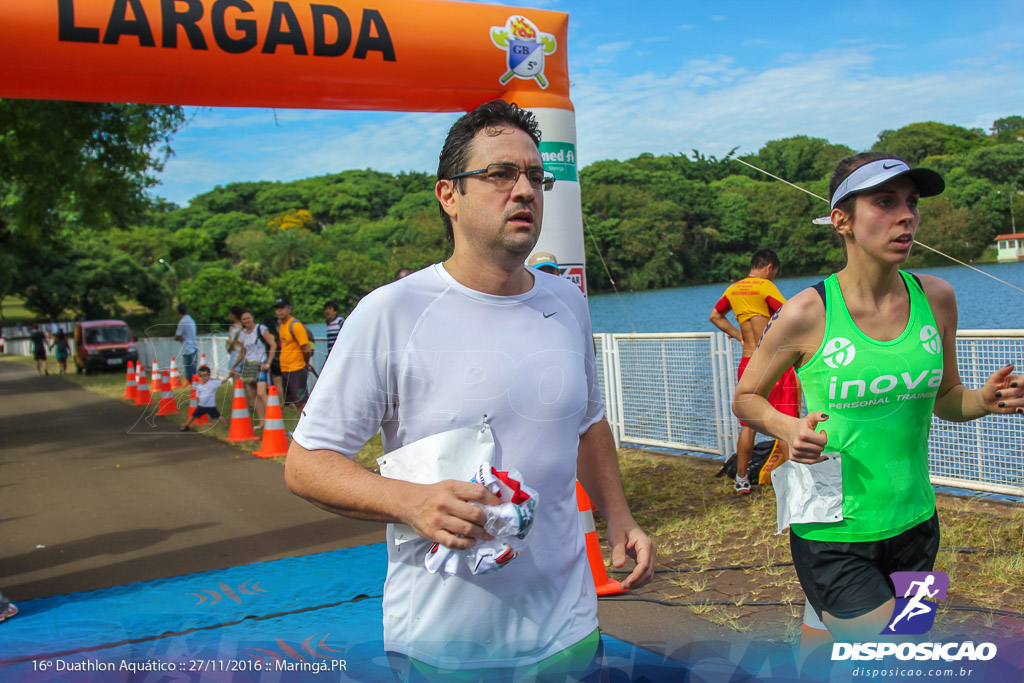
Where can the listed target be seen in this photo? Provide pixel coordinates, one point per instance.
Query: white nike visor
(875, 173)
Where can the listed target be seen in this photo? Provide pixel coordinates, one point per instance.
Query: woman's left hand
(1004, 392)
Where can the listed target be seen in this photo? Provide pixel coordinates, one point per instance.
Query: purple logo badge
(914, 614)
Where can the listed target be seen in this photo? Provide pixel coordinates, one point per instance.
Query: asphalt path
(94, 496)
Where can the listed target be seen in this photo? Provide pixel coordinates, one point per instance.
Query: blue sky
(706, 75)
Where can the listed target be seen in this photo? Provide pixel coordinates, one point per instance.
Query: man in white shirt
(186, 334)
(476, 339)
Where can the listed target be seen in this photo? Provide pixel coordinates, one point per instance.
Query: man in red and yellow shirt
(754, 300)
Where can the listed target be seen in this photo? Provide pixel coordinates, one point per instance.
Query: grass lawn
(716, 546)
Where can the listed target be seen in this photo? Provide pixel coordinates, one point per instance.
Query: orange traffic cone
(604, 585)
(193, 403)
(176, 382)
(142, 395)
(168, 406)
(154, 379)
(202, 360)
(129, 383)
(275, 441)
(241, 421)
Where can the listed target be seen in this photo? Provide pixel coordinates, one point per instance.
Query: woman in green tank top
(875, 349)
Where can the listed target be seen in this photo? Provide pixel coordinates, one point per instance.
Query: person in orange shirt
(754, 300)
(295, 354)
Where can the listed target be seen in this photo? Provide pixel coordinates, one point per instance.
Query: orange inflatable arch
(391, 55)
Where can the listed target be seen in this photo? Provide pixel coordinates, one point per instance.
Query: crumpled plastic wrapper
(466, 454)
(807, 494)
(509, 522)
(454, 454)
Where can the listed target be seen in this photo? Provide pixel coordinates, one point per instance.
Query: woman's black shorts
(849, 580)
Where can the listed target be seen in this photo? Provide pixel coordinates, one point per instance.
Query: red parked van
(103, 344)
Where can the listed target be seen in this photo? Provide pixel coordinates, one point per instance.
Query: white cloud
(714, 105)
(615, 47)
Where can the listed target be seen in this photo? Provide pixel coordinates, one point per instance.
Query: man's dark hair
(203, 368)
(493, 115)
(182, 308)
(332, 304)
(765, 256)
(236, 311)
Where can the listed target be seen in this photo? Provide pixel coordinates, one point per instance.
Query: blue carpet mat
(283, 620)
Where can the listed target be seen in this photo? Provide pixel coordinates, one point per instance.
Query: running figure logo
(526, 47)
(838, 352)
(913, 614)
(930, 340)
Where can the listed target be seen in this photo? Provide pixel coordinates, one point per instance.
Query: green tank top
(879, 398)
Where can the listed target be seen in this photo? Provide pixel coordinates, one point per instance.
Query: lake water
(983, 303)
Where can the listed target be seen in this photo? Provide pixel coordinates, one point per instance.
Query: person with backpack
(259, 351)
(296, 350)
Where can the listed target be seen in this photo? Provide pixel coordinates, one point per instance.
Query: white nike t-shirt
(426, 354)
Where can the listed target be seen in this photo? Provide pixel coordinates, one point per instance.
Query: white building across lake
(1011, 247)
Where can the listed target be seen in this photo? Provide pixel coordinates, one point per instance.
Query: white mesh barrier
(667, 391)
(986, 454)
(673, 391)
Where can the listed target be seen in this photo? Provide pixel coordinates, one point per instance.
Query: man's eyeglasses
(505, 176)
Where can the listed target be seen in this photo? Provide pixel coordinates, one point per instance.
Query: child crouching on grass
(206, 398)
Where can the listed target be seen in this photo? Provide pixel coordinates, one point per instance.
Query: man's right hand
(442, 512)
(807, 444)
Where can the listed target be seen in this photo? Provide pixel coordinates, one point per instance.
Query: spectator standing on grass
(875, 349)
(270, 322)
(234, 347)
(38, 338)
(253, 366)
(334, 323)
(186, 334)
(295, 354)
(475, 339)
(754, 300)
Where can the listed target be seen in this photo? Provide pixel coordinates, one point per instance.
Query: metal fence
(214, 349)
(674, 390)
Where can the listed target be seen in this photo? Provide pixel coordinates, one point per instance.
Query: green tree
(88, 278)
(1000, 164)
(78, 163)
(221, 226)
(920, 140)
(212, 291)
(1009, 129)
(310, 288)
(800, 159)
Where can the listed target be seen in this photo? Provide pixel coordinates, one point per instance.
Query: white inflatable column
(562, 230)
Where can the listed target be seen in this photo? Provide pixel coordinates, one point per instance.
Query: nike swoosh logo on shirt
(548, 315)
